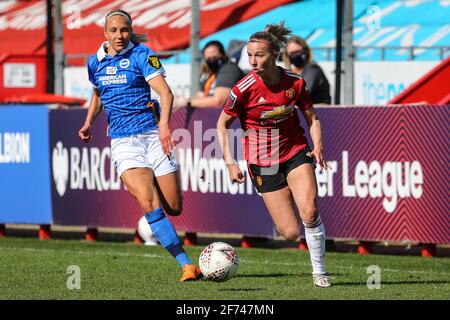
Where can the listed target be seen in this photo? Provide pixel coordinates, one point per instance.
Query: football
(145, 232)
(218, 262)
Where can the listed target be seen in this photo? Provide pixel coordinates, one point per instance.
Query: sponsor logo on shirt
(124, 63)
(277, 112)
(114, 79)
(261, 100)
(111, 70)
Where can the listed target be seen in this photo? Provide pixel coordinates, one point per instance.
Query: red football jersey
(272, 131)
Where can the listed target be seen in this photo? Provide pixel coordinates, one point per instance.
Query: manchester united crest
(290, 93)
(259, 181)
(154, 62)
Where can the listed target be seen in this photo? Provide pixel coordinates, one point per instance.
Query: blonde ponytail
(138, 37)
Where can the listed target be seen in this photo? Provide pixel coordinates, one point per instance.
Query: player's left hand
(318, 154)
(165, 137)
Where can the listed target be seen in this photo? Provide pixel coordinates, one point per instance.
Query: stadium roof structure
(167, 23)
(377, 24)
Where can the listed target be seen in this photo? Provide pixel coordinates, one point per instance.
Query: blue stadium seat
(402, 24)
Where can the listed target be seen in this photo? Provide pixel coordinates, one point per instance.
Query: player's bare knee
(147, 205)
(290, 234)
(309, 214)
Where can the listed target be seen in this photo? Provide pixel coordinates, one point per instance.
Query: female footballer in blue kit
(123, 73)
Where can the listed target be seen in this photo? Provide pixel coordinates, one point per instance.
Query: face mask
(214, 64)
(299, 59)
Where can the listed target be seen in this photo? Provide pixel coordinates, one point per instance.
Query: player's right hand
(179, 102)
(235, 173)
(165, 137)
(85, 133)
(318, 154)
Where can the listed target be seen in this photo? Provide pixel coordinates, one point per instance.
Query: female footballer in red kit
(279, 160)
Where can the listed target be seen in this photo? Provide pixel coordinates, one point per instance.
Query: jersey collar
(101, 54)
(274, 86)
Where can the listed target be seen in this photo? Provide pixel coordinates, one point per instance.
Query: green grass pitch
(34, 269)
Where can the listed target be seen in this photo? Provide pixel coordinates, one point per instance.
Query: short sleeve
(304, 98)
(234, 104)
(91, 70)
(149, 63)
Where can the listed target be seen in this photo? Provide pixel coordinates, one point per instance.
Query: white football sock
(315, 238)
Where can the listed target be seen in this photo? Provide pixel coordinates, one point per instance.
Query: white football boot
(321, 281)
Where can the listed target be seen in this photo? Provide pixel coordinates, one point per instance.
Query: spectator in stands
(124, 73)
(218, 76)
(297, 57)
(265, 101)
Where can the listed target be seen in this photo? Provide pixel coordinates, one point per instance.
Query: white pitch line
(164, 257)
(111, 253)
(340, 267)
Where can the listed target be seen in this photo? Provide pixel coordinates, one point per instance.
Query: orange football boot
(190, 273)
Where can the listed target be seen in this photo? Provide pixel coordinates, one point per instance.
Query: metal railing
(412, 51)
(328, 55)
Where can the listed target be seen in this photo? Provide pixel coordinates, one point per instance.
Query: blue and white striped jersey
(122, 84)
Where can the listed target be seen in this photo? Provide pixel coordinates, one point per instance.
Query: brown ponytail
(275, 34)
